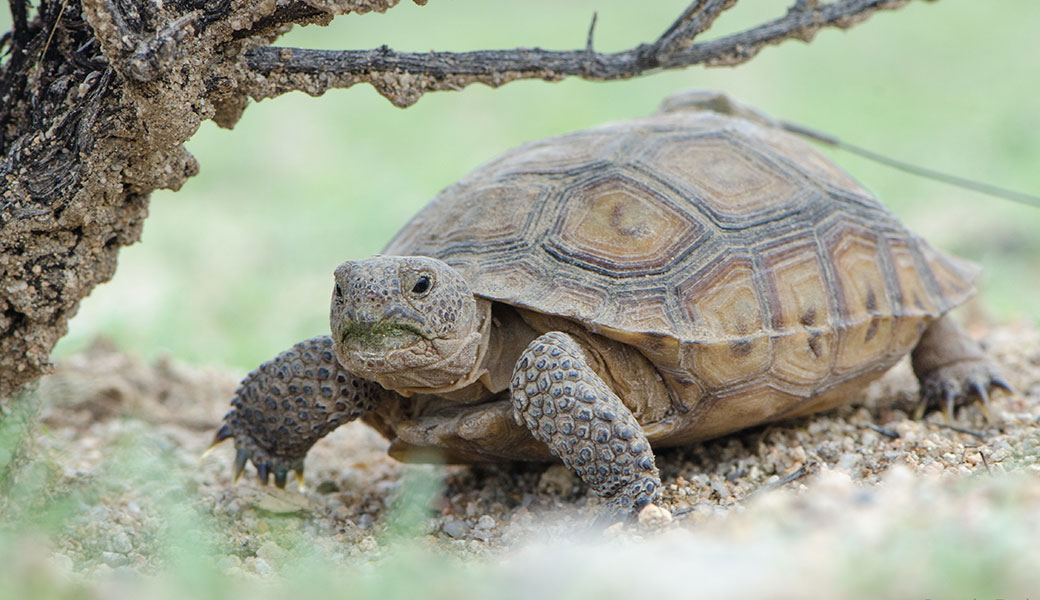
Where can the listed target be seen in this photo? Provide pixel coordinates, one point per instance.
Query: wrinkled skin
(404, 315)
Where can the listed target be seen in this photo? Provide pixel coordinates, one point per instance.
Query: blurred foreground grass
(913, 537)
(236, 266)
(54, 542)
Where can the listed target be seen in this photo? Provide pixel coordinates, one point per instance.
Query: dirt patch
(846, 479)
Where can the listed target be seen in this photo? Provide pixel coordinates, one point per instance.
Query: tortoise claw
(241, 458)
(299, 479)
(949, 398)
(922, 406)
(984, 409)
(979, 389)
(222, 434)
(957, 385)
(247, 450)
(1000, 382)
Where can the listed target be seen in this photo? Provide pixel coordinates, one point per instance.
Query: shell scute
(724, 303)
(862, 292)
(801, 309)
(733, 184)
(616, 225)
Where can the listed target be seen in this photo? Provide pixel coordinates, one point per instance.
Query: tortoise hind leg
(952, 369)
(566, 405)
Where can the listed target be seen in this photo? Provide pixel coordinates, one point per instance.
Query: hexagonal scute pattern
(801, 304)
(724, 299)
(734, 185)
(799, 155)
(492, 217)
(620, 227)
(722, 249)
(574, 152)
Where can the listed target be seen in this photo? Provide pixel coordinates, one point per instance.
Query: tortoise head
(404, 321)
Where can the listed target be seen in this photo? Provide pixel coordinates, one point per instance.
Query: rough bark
(97, 98)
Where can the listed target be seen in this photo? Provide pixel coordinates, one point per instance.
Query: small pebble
(120, 542)
(271, 551)
(557, 479)
(260, 566)
(850, 461)
(998, 455)
(653, 515)
(456, 528)
(126, 573)
(113, 559)
(229, 561)
(63, 563)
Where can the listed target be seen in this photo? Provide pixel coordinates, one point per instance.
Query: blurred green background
(237, 265)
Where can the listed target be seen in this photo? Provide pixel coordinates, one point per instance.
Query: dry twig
(404, 76)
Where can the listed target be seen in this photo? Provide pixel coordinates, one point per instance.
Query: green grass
(237, 265)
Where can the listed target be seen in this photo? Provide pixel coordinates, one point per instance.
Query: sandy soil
(774, 501)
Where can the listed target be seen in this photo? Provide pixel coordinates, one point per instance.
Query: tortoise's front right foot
(953, 371)
(287, 404)
(566, 405)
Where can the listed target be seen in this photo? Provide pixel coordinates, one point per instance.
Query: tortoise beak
(376, 335)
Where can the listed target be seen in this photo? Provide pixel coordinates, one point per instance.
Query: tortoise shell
(731, 254)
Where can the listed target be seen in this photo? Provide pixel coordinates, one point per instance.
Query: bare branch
(697, 18)
(293, 13)
(19, 18)
(403, 77)
(590, 39)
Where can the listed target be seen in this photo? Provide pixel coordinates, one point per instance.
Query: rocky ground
(860, 501)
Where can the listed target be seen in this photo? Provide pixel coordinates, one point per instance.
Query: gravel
(785, 502)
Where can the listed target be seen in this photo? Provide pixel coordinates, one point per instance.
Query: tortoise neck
(508, 336)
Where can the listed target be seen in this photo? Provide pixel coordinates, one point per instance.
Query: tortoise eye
(339, 291)
(422, 285)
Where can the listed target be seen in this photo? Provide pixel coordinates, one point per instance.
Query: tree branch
(403, 77)
(697, 18)
(293, 13)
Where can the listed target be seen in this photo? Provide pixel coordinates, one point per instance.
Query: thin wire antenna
(977, 186)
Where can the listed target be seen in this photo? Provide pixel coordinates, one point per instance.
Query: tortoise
(594, 295)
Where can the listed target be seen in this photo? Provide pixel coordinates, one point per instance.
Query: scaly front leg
(568, 407)
(287, 404)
